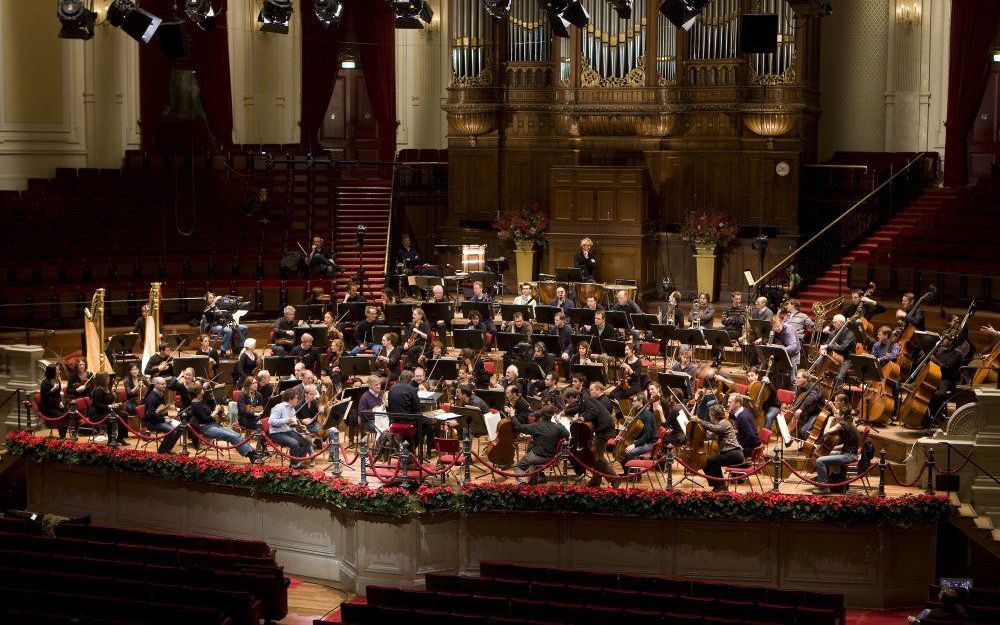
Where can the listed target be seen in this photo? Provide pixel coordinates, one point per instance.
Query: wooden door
(984, 138)
(349, 128)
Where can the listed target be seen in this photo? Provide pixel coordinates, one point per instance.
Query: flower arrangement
(523, 224)
(315, 486)
(709, 228)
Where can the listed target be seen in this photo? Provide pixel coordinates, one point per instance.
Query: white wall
(423, 72)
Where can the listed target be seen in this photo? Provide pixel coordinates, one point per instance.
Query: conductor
(585, 260)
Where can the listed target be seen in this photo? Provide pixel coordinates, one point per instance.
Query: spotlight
(328, 12)
(683, 13)
(622, 7)
(498, 9)
(137, 24)
(201, 12)
(77, 21)
(409, 13)
(562, 13)
(274, 16)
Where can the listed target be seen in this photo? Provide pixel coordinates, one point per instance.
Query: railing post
(404, 463)
(564, 455)
(71, 434)
(669, 463)
(334, 435)
(259, 435)
(363, 455)
(184, 439)
(113, 431)
(930, 471)
(466, 457)
(776, 486)
(881, 472)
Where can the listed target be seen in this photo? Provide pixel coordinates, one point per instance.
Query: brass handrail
(764, 278)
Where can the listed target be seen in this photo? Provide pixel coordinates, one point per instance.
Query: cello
(501, 451)
(581, 436)
(629, 435)
(907, 345)
(925, 379)
(818, 428)
(987, 371)
(759, 393)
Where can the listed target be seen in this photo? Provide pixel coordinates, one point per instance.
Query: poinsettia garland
(906, 511)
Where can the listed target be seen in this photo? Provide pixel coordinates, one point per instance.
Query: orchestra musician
(546, 362)
(155, 419)
(78, 381)
(370, 400)
(868, 306)
(668, 411)
(311, 410)
(848, 438)
(353, 294)
(796, 319)
(650, 425)
(673, 314)
(685, 364)
(50, 402)
(284, 330)
(139, 327)
(511, 377)
(565, 333)
(281, 427)
(205, 349)
(307, 354)
(481, 297)
(265, 385)
(730, 452)
(562, 301)
(743, 421)
(103, 404)
(438, 297)
(332, 331)
(218, 319)
(364, 333)
(585, 407)
(525, 298)
(518, 325)
(884, 349)
(911, 315)
(317, 297)
(135, 388)
(734, 316)
(246, 405)
(950, 359)
(546, 438)
(416, 337)
(809, 398)
(160, 363)
(336, 350)
(632, 368)
(472, 363)
(476, 323)
(389, 296)
(550, 393)
(843, 346)
(420, 380)
(582, 355)
(702, 313)
(319, 260)
(788, 338)
(601, 329)
(771, 407)
(408, 255)
(585, 260)
(761, 311)
(200, 414)
(516, 407)
(247, 362)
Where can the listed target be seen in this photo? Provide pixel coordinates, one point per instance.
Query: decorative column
(704, 258)
(524, 257)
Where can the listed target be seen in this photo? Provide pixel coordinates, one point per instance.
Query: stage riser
(876, 567)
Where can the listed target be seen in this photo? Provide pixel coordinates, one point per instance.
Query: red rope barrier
(86, 420)
(906, 484)
(210, 442)
(493, 469)
(749, 471)
(386, 467)
(313, 456)
(829, 484)
(55, 419)
(941, 471)
(140, 435)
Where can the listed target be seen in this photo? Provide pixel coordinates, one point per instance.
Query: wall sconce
(908, 13)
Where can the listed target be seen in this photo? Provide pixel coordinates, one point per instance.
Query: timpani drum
(630, 291)
(586, 289)
(545, 292)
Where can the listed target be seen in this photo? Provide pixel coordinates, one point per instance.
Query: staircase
(365, 203)
(979, 528)
(833, 283)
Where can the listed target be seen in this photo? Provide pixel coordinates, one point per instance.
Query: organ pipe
(715, 33)
(528, 35)
(470, 31)
(666, 60)
(772, 65)
(614, 47)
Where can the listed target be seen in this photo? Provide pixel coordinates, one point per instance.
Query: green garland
(316, 487)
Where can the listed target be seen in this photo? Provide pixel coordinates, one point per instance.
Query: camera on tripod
(359, 234)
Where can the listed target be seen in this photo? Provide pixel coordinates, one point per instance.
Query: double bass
(925, 380)
(880, 399)
(907, 344)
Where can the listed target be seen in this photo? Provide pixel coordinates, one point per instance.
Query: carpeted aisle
(879, 617)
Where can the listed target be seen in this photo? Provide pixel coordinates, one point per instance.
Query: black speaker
(173, 40)
(758, 33)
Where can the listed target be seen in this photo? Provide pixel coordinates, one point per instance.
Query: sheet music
(564, 421)
(492, 419)
(682, 420)
(783, 429)
(425, 394)
(380, 420)
(445, 416)
(239, 315)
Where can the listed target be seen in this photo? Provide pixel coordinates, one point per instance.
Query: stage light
(683, 13)
(622, 7)
(201, 12)
(498, 9)
(77, 20)
(409, 13)
(274, 16)
(328, 12)
(138, 24)
(562, 13)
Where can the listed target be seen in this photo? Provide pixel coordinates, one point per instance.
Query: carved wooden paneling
(472, 185)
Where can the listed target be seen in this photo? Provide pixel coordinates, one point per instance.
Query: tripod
(360, 240)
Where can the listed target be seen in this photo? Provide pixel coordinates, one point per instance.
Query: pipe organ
(707, 125)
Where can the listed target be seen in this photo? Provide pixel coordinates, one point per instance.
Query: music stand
(507, 311)
(441, 368)
(593, 373)
(473, 418)
(865, 367)
(781, 370)
(718, 338)
(485, 309)
(674, 379)
(615, 349)
(547, 314)
(337, 414)
(494, 398)
(582, 338)
(469, 339)
(398, 314)
(663, 331)
(617, 319)
(550, 341)
(284, 385)
(529, 370)
(926, 340)
(310, 312)
(569, 274)
(351, 312)
(176, 340)
(319, 334)
(690, 336)
(643, 321)
(759, 329)
(279, 365)
(123, 343)
(437, 311)
(582, 316)
(355, 366)
(198, 363)
(506, 341)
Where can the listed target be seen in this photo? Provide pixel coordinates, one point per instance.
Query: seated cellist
(546, 435)
(849, 440)
(730, 453)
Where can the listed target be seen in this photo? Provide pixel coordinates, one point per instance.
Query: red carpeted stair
(833, 283)
(362, 203)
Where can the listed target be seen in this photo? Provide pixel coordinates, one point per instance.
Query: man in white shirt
(281, 424)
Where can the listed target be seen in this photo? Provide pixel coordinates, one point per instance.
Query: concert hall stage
(879, 552)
